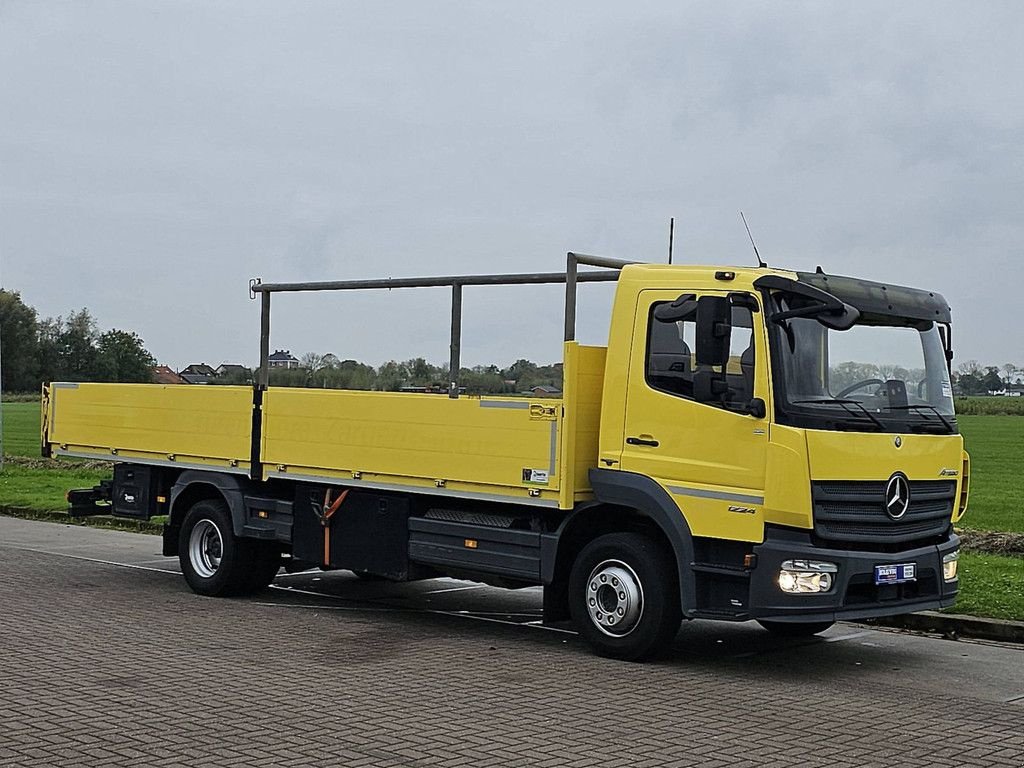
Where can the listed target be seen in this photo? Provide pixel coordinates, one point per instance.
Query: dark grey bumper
(854, 594)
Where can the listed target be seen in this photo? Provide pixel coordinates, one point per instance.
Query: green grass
(44, 488)
(991, 585)
(21, 429)
(37, 485)
(997, 491)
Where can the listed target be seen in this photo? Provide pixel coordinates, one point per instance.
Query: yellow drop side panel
(583, 383)
(505, 449)
(205, 426)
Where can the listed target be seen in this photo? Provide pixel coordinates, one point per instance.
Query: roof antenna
(671, 236)
(759, 262)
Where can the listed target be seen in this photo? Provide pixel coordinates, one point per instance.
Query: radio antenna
(760, 263)
(671, 236)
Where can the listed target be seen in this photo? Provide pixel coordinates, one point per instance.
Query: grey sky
(155, 156)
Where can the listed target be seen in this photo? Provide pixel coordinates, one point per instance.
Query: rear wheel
(215, 562)
(624, 596)
(795, 629)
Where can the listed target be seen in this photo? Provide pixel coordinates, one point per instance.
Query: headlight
(949, 566)
(807, 576)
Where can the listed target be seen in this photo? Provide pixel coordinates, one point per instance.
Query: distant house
(1011, 390)
(232, 369)
(283, 358)
(197, 373)
(164, 375)
(198, 369)
(545, 390)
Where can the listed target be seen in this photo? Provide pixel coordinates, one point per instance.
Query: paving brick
(98, 669)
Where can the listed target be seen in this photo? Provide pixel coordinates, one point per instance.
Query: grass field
(997, 487)
(21, 428)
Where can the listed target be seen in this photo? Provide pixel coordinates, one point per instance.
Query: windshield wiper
(843, 403)
(924, 406)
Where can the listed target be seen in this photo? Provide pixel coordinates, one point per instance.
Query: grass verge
(991, 586)
(42, 485)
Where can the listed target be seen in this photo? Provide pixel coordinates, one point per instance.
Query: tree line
(327, 371)
(972, 378)
(71, 348)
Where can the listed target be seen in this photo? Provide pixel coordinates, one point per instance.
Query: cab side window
(671, 358)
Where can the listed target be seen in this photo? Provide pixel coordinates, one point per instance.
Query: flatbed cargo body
(530, 451)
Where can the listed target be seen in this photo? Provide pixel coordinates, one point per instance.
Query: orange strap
(326, 520)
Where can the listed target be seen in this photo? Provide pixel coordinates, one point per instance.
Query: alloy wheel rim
(205, 548)
(614, 598)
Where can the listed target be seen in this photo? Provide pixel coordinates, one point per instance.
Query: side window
(740, 370)
(671, 358)
(670, 355)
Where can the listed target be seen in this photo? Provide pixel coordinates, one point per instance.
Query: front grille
(854, 511)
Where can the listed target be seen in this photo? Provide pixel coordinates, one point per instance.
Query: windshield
(883, 374)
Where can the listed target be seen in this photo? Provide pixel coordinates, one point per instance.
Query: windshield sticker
(947, 391)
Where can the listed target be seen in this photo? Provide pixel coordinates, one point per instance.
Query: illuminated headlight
(807, 576)
(949, 566)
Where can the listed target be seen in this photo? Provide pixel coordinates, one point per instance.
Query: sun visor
(880, 298)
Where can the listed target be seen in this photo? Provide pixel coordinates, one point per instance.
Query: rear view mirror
(840, 321)
(680, 309)
(714, 329)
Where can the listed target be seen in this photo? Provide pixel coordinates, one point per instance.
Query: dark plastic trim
(643, 494)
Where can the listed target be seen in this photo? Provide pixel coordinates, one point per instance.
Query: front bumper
(854, 594)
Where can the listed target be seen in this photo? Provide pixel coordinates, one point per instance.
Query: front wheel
(796, 629)
(624, 596)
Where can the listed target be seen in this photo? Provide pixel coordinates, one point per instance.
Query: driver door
(709, 456)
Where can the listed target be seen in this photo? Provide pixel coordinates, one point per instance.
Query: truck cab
(802, 425)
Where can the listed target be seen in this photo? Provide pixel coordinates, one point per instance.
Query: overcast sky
(155, 156)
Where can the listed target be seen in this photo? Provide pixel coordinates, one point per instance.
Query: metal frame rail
(571, 277)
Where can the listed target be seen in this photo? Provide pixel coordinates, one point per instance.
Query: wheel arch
(193, 486)
(625, 501)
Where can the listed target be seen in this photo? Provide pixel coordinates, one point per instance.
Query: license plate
(895, 574)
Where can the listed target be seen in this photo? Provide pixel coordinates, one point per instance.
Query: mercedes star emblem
(898, 441)
(897, 496)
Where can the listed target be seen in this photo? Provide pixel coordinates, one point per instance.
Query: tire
(624, 596)
(214, 562)
(795, 629)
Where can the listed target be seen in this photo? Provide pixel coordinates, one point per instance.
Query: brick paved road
(103, 665)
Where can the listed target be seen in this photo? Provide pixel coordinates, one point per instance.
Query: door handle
(642, 441)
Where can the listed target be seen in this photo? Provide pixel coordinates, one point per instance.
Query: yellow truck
(751, 444)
